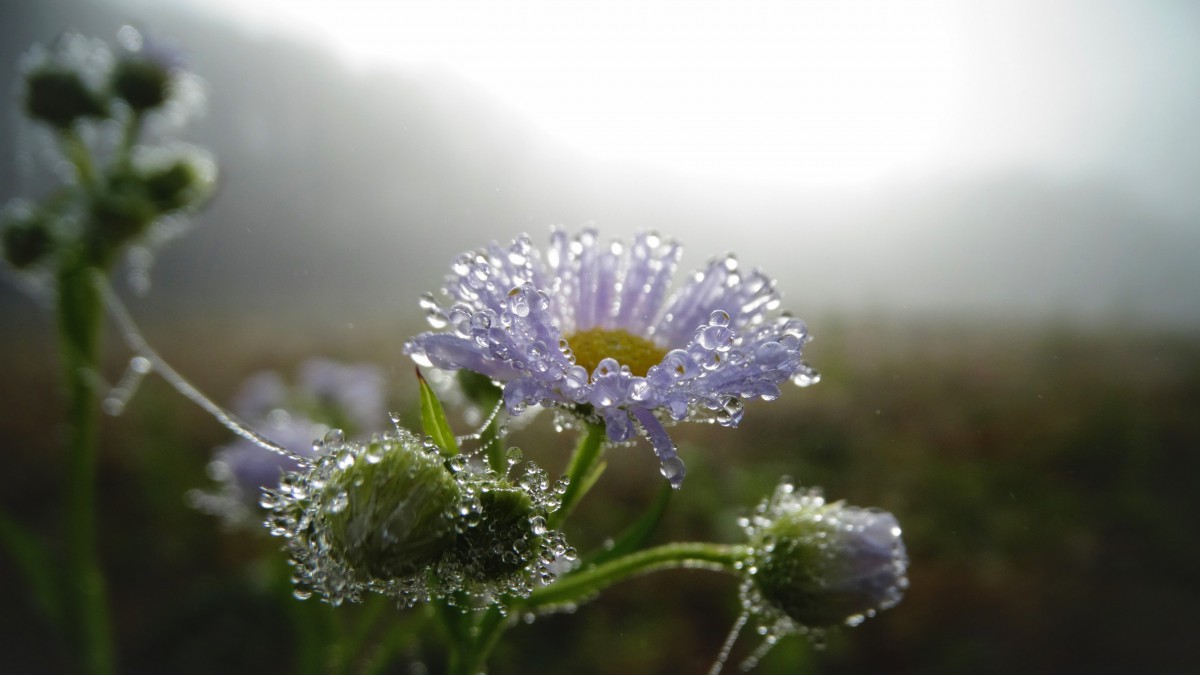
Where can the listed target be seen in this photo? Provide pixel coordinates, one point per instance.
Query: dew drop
(537, 525)
(140, 365)
(338, 503)
(806, 377)
(518, 303)
(673, 470)
(513, 456)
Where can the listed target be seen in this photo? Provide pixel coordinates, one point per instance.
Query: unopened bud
(504, 541)
(823, 564)
(141, 82)
(59, 97)
(389, 511)
(26, 241)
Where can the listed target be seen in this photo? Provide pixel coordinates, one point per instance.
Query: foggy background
(987, 213)
(1054, 177)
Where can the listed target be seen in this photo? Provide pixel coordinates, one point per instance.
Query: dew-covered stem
(579, 471)
(80, 319)
(576, 587)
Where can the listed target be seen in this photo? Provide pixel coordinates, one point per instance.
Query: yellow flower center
(595, 344)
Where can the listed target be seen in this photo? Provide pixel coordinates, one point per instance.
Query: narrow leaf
(433, 419)
(32, 562)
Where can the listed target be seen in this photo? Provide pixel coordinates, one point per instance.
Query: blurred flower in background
(326, 395)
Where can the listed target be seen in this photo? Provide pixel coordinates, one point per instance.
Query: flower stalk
(80, 319)
(582, 470)
(585, 583)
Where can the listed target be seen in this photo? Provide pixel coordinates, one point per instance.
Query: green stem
(583, 464)
(470, 637)
(80, 157)
(579, 586)
(80, 314)
(485, 633)
(129, 139)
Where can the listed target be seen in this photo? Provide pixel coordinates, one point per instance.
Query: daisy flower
(593, 328)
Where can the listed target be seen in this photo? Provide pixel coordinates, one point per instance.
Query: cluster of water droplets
(489, 551)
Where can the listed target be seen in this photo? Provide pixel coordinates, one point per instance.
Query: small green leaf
(433, 419)
(33, 562)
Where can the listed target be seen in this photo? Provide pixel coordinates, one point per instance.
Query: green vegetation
(1044, 477)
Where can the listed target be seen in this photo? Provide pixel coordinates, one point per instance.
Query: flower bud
(822, 564)
(141, 82)
(59, 97)
(26, 241)
(366, 517)
(504, 541)
(389, 511)
(175, 186)
(396, 517)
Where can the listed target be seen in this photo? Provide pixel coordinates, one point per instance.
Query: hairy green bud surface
(389, 512)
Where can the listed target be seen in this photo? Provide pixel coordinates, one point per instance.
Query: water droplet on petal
(673, 470)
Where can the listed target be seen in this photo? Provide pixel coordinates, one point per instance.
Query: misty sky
(817, 93)
(992, 158)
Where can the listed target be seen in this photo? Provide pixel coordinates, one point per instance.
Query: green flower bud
(505, 537)
(141, 82)
(389, 510)
(394, 516)
(822, 564)
(375, 516)
(59, 97)
(183, 184)
(26, 241)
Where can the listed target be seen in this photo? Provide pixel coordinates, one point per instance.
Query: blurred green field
(1044, 474)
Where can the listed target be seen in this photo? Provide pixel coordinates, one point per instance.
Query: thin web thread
(483, 427)
(135, 341)
(726, 648)
(752, 660)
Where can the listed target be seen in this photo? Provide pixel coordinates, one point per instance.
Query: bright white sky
(813, 91)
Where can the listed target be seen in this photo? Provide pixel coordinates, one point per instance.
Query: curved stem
(585, 583)
(80, 314)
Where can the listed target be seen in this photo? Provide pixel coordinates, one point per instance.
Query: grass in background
(1044, 475)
